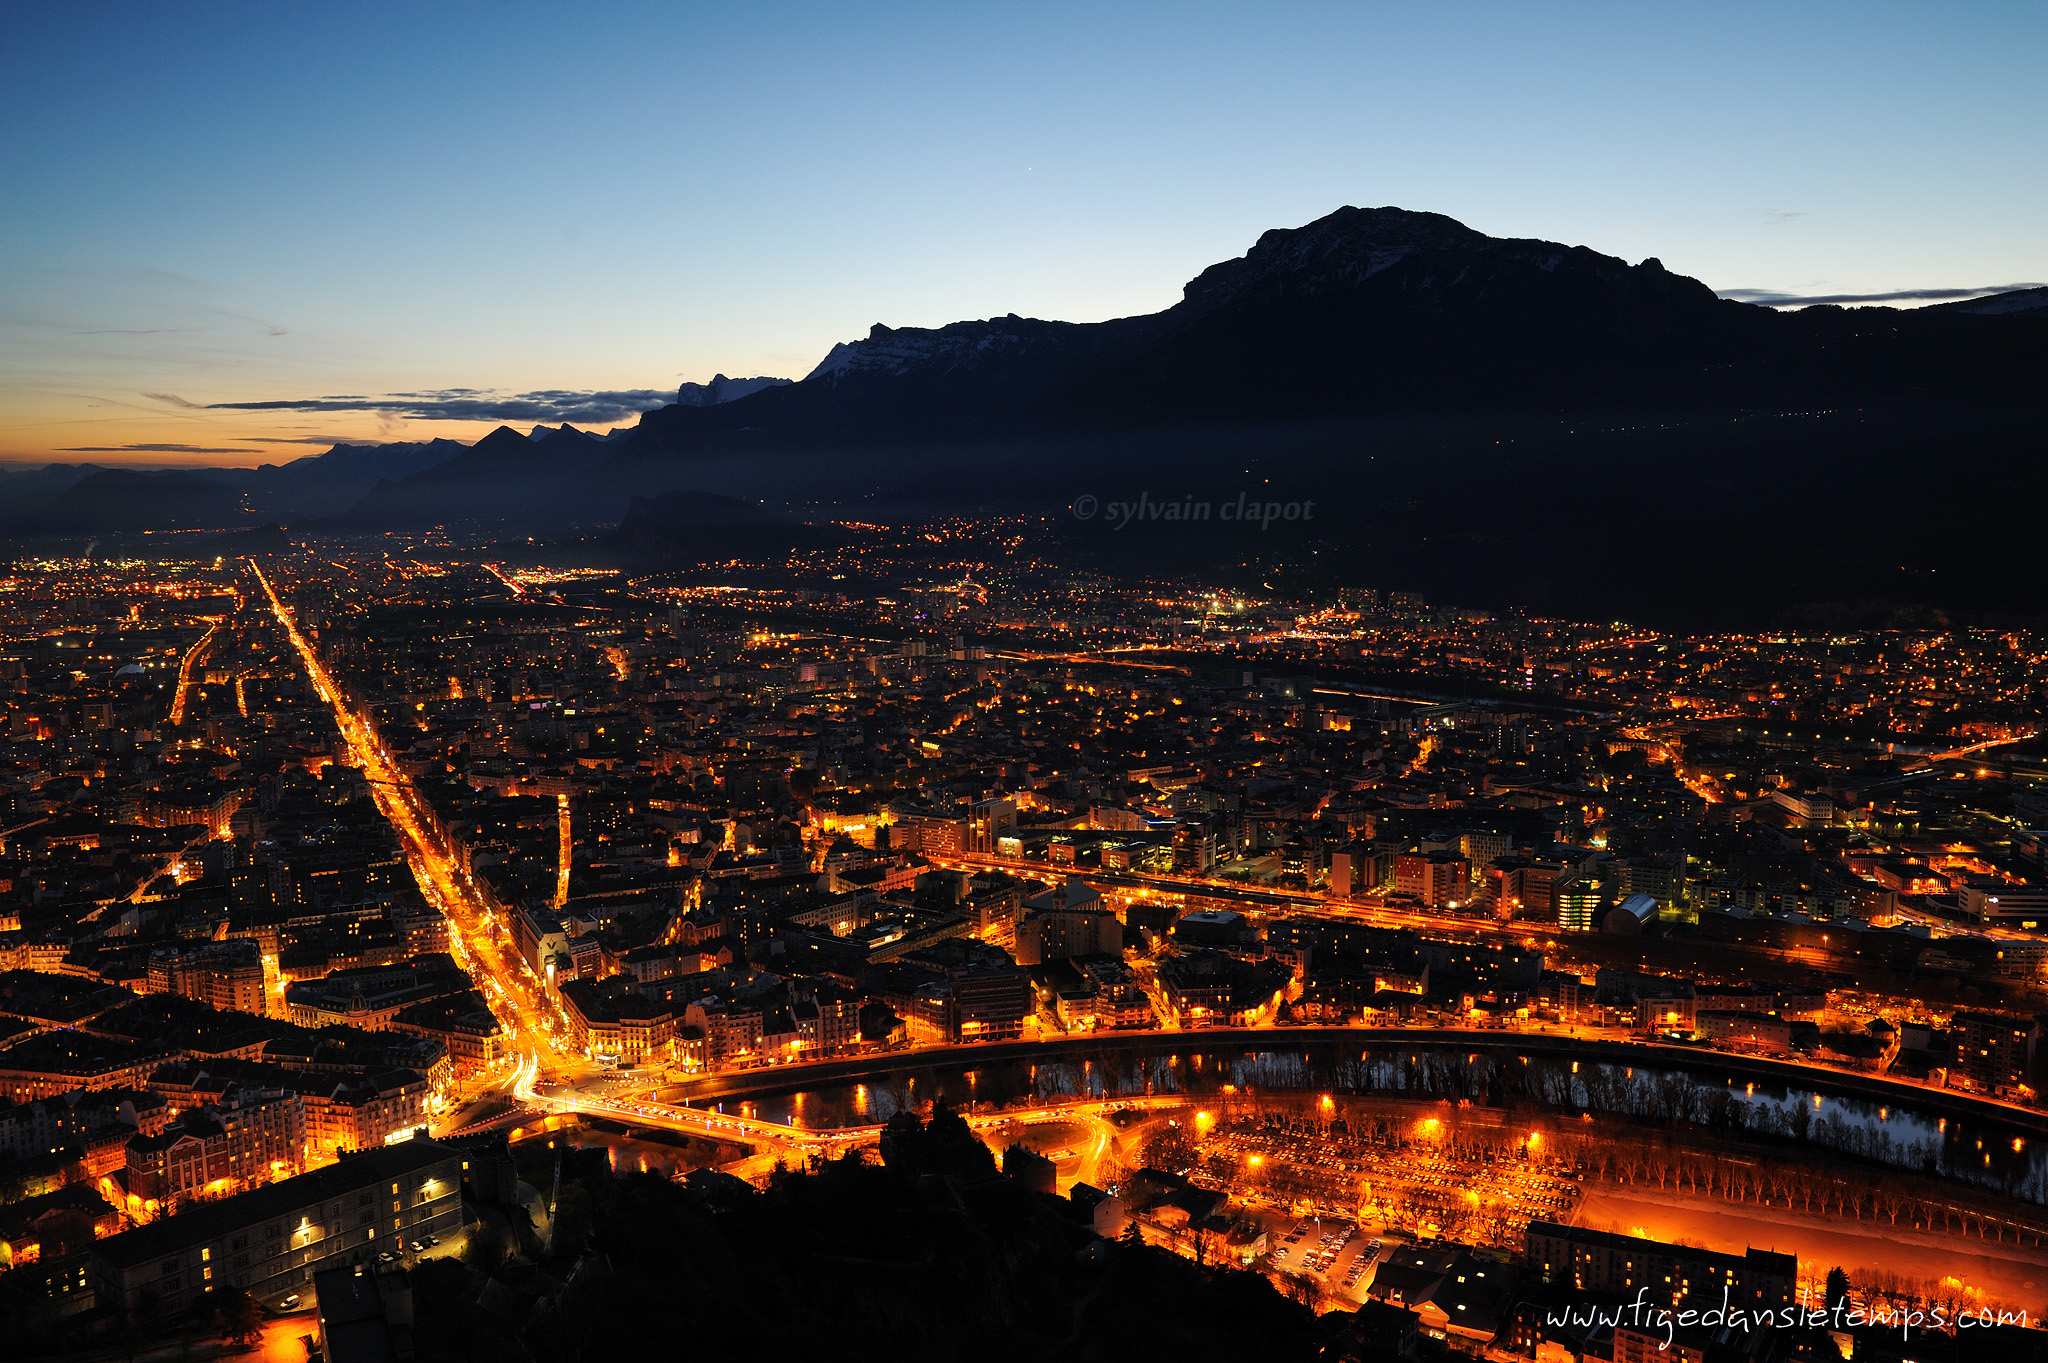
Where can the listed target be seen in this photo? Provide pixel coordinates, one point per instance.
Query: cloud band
(155, 448)
(1772, 298)
(547, 406)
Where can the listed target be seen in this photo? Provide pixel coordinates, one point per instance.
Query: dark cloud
(156, 449)
(548, 406)
(1771, 298)
(173, 399)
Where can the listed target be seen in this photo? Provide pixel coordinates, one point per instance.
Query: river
(1980, 1151)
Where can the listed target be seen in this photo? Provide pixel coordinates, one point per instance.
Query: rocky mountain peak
(1340, 249)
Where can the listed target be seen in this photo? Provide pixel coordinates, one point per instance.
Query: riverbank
(1875, 1088)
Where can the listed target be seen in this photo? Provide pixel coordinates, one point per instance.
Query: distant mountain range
(1414, 372)
(74, 499)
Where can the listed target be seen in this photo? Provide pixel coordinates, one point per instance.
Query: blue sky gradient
(260, 203)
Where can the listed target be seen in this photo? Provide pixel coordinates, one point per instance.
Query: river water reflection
(1985, 1152)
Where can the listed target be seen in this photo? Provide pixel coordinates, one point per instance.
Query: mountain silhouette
(1510, 420)
(1367, 313)
(111, 500)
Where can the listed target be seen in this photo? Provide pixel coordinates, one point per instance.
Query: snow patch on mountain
(2023, 300)
(722, 389)
(895, 351)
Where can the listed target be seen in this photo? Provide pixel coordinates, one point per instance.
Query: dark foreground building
(1677, 1276)
(275, 1238)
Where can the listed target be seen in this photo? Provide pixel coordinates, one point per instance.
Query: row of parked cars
(417, 1247)
(1362, 1263)
(1328, 1246)
(291, 1301)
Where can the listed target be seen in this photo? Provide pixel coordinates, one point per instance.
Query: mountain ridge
(1387, 323)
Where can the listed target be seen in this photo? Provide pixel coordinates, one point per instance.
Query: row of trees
(1864, 1195)
(1882, 1289)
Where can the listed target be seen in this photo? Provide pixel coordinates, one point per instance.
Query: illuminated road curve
(185, 674)
(772, 1139)
(1549, 1045)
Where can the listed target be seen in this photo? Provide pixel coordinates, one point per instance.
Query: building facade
(1677, 1276)
(273, 1239)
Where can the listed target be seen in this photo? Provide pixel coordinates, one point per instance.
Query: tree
(486, 1246)
(570, 1220)
(945, 1144)
(241, 1318)
(951, 1147)
(1170, 1148)
(901, 1137)
(1837, 1290)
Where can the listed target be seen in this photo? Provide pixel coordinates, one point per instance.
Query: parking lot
(1339, 1254)
(1415, 1187)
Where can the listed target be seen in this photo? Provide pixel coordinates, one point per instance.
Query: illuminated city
(1306, 753)
(1274, 935)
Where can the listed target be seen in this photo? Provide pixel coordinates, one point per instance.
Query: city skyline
(263, 208)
